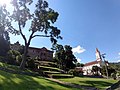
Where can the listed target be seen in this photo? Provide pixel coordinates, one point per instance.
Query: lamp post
(103, 56)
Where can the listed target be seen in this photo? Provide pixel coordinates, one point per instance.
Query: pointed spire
(98, 56)
(97, 50)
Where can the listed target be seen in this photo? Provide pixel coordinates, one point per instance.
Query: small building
(33, 52)
(40, 53)
(87, 68)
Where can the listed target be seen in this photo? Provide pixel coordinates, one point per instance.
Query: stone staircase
(50, 69)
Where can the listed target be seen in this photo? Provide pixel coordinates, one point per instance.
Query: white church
(87, 69)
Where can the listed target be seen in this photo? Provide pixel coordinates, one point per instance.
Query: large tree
(4, 36)
(64, 57)
(41, 20)
(60, 56)
(70, 59)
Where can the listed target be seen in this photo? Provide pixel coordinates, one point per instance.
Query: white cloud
(78, 49)
(118, 60)
(78, 59)
(119, 53)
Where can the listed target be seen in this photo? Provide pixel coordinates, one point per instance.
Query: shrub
(30, 64)
(2, 58)
(18, 59)
(13, 56)
(75, 72)
(113, 75)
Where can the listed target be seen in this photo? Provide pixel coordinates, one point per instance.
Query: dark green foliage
(30, 64)
(21, 49)
(70, 59)
(64, 57)
(79, 64)
(4, 46)
(113, 75)
(60, 56)
(2, 59)
(115, 66)
(18, 59)
(75, 72)
(96, 70)
(110, 70)
(4, 36)
(14, 57)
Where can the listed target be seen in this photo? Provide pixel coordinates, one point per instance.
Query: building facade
(33, 52)
(40, 53)
(87, 69)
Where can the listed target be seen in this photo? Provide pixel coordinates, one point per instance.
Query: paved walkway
(73, 85)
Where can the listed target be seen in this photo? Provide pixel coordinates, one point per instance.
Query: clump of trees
(110, 70)
(64, 57)
(14, 57)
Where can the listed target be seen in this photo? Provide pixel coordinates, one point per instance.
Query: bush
(18, 59)
(13, 57)
(75, 72)
(1, 58)
(30, 64)
(113, 75)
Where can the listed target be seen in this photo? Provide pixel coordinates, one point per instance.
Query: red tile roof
(91, 63)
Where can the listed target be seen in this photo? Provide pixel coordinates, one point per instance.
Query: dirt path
(73, 85)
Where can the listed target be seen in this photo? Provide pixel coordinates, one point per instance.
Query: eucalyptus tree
(42, 23)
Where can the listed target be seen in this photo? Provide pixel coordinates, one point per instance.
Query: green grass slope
(99, 83)
(10, 81)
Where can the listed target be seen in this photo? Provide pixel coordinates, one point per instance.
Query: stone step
(51, 72)
(45, 68)
(60, 76)
(46, 63)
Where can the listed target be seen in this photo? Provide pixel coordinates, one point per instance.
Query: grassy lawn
(12, 67)
(94, 82)
(10, 81)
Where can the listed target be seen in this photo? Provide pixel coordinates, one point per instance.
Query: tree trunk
(24, 58)
(106, 69)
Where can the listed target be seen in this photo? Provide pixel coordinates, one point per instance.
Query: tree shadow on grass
(52, 82)
(97, 84)
(21, 82)
(9, 81)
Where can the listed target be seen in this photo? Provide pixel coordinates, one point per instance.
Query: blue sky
(86, 25)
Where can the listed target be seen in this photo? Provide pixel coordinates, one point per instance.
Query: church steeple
(98, 55)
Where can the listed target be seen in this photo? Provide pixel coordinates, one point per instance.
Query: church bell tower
(98, 55)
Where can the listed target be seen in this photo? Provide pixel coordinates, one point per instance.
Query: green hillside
(10, 81)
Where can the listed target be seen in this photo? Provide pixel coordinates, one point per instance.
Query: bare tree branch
(40, 36)
(30, 38)
(22, 33)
